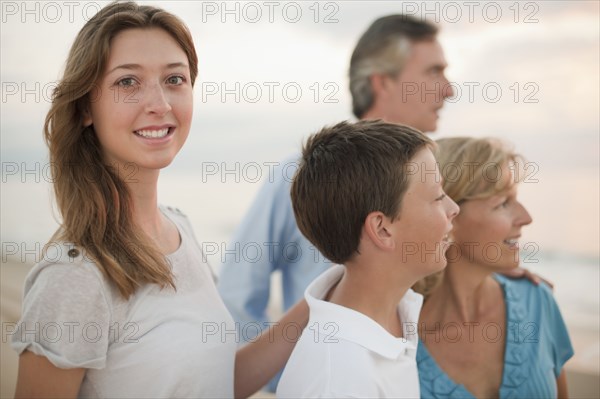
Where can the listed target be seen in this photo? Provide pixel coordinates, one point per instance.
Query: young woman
(481, 334)
(124, 305)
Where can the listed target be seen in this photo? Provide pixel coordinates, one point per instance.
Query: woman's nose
(156, 100)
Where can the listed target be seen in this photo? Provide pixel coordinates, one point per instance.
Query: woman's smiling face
(487, 230)
(141, 109)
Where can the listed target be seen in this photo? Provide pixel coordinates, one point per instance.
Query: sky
(271, 73)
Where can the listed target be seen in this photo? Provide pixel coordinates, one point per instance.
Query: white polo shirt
(344, 353)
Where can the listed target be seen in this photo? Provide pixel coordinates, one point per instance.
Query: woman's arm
(257, 362)
(561, 383)
(38, 378)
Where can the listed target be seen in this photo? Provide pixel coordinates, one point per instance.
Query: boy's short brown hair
(346, 172)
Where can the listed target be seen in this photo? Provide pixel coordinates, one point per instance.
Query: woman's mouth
(154, 134)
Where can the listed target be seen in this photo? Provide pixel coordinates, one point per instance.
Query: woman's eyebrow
(138, 66)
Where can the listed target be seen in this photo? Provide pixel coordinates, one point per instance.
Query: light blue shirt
(267, 240)
(537, 347)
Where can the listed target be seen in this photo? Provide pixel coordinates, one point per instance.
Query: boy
(368, 196)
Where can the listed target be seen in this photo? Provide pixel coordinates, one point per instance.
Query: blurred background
(271, 73)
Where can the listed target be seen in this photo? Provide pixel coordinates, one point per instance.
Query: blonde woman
(481, 334)
(124, 305)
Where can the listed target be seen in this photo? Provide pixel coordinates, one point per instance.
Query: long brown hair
(93, 200)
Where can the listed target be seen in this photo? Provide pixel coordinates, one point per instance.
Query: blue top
(267, 240)
(537, 347)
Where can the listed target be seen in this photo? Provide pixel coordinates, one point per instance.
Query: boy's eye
(436, 71)
(441, 197)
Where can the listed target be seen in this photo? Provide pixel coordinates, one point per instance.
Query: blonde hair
(464, 164)
(94, 202)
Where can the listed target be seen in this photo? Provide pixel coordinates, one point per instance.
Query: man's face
(415, 96)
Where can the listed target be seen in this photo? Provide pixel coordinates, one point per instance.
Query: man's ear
(378, 228)
(378, 84)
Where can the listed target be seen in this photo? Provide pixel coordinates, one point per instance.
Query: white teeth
(153, 133)
(514, 241)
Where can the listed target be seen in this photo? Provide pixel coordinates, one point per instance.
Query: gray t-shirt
(158, 343)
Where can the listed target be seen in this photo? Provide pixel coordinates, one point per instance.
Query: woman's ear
(87, 118)
(86, 107)
(378, 228)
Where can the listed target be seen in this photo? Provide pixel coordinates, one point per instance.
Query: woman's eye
(175, 80)
(503, 204)
(441, 197)
(126, 82)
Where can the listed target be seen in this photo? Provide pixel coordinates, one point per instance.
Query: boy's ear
(378, 229)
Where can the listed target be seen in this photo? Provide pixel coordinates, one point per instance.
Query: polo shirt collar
(338, 322)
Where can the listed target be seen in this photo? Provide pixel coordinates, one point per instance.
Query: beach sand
(583, 371)
(12, 276)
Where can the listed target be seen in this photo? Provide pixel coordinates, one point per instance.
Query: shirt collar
(339, 322)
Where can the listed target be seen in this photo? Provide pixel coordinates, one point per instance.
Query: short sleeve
(556, 331)
(66, 316)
